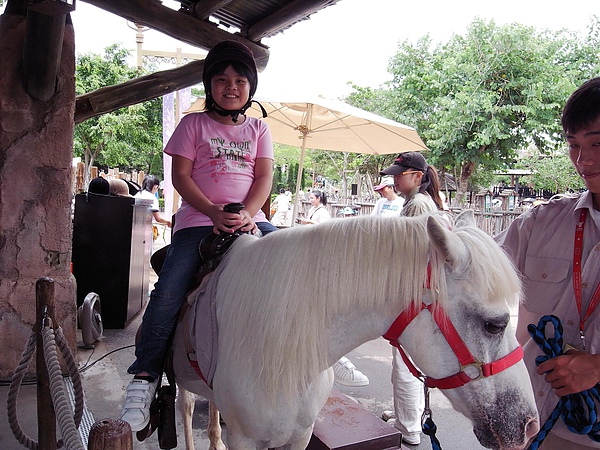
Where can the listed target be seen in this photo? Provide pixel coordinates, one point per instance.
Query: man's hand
(576, 371)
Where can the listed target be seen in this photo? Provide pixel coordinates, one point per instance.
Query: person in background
(390, 204)
(99, 185)
(282, 205)
(318, 212)
(220, 156)
(555, 247)
(344, 371)
(149, 189)
(119, 188)
(418, 183)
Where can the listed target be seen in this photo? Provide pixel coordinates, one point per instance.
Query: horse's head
(473, 286)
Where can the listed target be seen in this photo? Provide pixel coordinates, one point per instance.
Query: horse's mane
(493, 271)
(277, 295)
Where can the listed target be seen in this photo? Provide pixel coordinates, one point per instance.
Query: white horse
(292, 303)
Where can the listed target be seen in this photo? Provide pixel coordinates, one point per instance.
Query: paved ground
(104, 377)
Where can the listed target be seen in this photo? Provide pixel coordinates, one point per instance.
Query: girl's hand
(225, 221)
(248, 223)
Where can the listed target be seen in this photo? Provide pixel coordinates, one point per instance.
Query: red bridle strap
(470, 367)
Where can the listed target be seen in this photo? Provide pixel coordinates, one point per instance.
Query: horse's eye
(494, 327)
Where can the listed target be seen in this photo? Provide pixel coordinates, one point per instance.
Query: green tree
(554, 173)
(129, 138)
(480, 98)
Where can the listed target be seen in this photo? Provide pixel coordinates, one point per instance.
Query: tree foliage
(554, 173)
(482, 97)
(129, 138)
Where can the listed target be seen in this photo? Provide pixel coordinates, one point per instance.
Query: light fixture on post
(512, 200)
(487, 202)
(52, 7)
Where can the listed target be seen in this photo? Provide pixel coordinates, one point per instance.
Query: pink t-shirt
(224, 157)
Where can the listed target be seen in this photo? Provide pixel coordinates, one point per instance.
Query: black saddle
(211, 248)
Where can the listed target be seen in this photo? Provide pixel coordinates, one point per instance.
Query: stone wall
(36, 141)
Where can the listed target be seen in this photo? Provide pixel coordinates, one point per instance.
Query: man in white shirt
(556, 248)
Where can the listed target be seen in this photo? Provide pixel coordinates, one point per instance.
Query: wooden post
(80, 177)
(110, 434)
(44, 299)
(42, 54)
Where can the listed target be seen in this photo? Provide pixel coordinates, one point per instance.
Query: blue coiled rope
(578, 411)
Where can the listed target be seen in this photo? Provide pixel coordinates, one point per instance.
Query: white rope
(68, 424)
(13, 394)
(73, 371)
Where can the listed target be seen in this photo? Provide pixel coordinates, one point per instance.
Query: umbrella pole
(299, 181)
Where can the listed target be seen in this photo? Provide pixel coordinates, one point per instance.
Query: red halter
(470, 368)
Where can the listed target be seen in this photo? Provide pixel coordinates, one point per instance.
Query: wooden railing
(492, 222)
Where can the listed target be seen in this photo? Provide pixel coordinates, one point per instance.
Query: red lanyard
(577, 252)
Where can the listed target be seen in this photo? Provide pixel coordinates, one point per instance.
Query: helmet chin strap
(235, 113)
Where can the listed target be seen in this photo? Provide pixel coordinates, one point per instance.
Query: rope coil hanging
(68, 422)
(578, 411)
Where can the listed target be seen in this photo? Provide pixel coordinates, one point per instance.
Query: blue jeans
(176, 275)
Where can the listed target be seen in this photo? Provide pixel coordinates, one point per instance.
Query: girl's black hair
(149, 182)
(218, 68)
(320, 195)
(430, 183)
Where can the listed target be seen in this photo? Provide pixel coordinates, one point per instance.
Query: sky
(351, 41)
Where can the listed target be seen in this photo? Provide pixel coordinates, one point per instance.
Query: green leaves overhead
(129, 138)
(482, 98)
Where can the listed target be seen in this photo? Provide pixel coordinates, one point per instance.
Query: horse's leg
(187, 402)
(298, 445)
(303, 442)
(214, 428)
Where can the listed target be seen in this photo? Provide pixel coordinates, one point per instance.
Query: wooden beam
(111, 98)
(179, 25)
(42, 54)
(202, 10)
(285, 17)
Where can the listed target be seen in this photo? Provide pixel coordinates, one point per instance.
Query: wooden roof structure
(200, 23)
(38, 113)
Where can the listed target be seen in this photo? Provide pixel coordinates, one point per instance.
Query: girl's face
(584, 151)
(230, 90)
(314, 200)
(407, 181)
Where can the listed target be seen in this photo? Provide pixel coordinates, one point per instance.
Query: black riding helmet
(221, 56)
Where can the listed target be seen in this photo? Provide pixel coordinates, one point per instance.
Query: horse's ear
(465, 219)
(446, 243)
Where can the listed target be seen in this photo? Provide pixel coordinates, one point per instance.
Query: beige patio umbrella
(331, 125)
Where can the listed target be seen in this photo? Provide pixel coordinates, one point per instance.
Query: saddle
(162, 409)
(211, 249)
